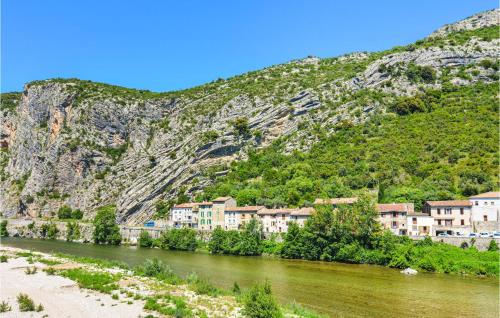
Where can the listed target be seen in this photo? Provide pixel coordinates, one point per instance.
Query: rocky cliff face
(87, 144)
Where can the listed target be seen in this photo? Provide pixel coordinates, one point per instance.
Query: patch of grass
(25, 254)
(115, 296)
(49, 262)
(5, 307)
(168, 305)
(103, 282)
(299, 310)
(25, 302)
(50, 271)
(3, 258)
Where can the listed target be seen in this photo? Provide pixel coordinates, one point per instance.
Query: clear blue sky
(168, 45)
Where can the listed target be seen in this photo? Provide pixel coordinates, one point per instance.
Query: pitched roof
(275, 211)
(336, 201)
(186, 205)
(221, 199)
(249, 208)
(303, 211)
(486, 195)
(449, 203)
(205, 203)
(419, 214)
(395, 207)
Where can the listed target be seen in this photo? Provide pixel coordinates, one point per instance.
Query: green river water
(339, 290)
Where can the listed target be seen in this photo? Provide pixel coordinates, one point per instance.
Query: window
(414, 220)
(476, 203)
(462, 211)
(209, 214)
(447, 211)
(439, 222)
(243, 215)
(394, 214)
(282, 216)
(202, 214)
(462, 222)
(209, 222)
(439, 211)
(485, 203)
(485, 218)
(202, 222)
(447, 222)
(492, 203)
(394, 224)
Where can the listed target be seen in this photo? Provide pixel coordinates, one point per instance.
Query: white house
(184, 215)
(236, 217)
(419, 224)
(486, 207)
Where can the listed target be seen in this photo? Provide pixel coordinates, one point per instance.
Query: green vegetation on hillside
(445, 147)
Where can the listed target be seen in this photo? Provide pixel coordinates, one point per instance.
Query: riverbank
(66, 285)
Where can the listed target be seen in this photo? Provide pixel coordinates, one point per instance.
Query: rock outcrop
(87, 144)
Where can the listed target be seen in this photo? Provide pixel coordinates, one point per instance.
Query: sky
(169, 45)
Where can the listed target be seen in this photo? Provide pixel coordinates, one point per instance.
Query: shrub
(179, 239)
(72, 231)
(50, 270)
(236, 289)
(260, 303)
(3, 258)
(145, 239)
(202, 286)
(5, 307)
(3, 229)
(30, 271)
(493, 247)
(158, 269)
(106, 231)
(25, 303)
(77, 214)
(49, 230)
(240, 126)
(101, 281)
(64, 212)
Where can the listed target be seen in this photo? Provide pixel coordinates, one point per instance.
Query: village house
(205, 210)
(219, 205)
(486, 211)
(236, 217)
(184, 215)
(277, 220)
(451, 217)
(393, 216)
(419, 224)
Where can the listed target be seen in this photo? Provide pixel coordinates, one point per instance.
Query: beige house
(450, 217)
(393, 216)
(277, 220)
(419, 224)
(219, 206)
(236, 217)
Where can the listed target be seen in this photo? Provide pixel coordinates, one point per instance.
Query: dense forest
(436, 145)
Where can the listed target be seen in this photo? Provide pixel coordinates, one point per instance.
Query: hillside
(416, 122)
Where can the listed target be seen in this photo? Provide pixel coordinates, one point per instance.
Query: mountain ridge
(87, 144)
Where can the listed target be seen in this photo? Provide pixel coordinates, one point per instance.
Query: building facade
(452, 217)
(205, 210)
(219, 206)
(236, 217)
(486, 207)
(394, 216)
(184, 215)
(419, 224)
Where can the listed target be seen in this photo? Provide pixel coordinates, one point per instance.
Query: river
(339, 290)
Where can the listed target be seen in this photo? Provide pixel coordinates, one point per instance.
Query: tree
(179, 239)
(260, 303)
(145, 239)
(493, 247)
(77, 214)
(106, 231)
(163, 208)
(72, 231)
(250, 243)
(64, 212)
(215, 245)
(3, 229)
(240, 126)
(292, 245)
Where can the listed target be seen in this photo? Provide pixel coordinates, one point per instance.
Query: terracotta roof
(221, 199)
(275, 211)
(205, 203)
(186, 205)
(418, 214)
(395, 207)
(486, 195)
(303, 211)
(250, 208)
(336, 201)
(449, 203)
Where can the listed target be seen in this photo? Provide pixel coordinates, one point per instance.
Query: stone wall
(481, 243)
